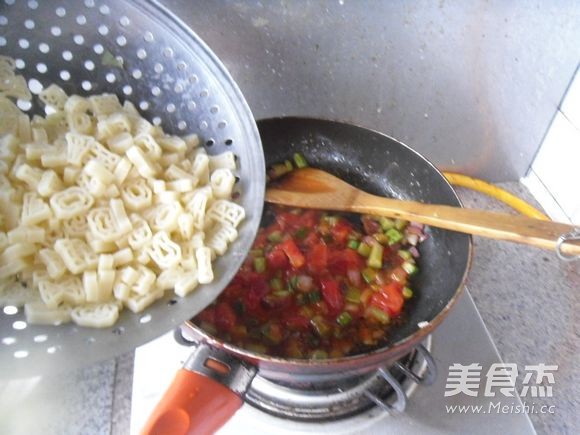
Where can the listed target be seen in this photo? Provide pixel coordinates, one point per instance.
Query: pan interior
(380, 165)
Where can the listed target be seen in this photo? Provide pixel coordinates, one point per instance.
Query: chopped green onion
(379, 315)
(353, 244)
(410, 268)
(401, 224)
(407, 293)
(260, 264)
(369, 274)
(276, 284)
(313, 297)
(301, 233)
(282, 293)
(318, 354)
(352, 295)
(344, 318)
(257, 252)
(288, 165)
(376, 258)
(300, 161)
(293, 282)
(364, 249)
(394, 236)
(405, 255)
(275, 236)
(386, 223)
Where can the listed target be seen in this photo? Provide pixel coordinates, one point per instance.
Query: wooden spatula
(314, 188)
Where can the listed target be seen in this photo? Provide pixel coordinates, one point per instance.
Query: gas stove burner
(387, 388)
(316, 401)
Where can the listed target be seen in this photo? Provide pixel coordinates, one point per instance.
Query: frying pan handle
(203, 396)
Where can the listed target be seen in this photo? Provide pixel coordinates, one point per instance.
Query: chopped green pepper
(344, 318)
(407, 293)
(379, 315)
(353, 244)
(353, 295)
(313, 297)
(405, 255)
(364, 249)
(394, 236)
(410, 268)
(369, 274)
(301, 233)
(260, 264)
(276, 284)
(386, 223)
(293, 282)
(300, 161)
(401, 224)
(376, 257)
(318, 354)
(275, 236)
(257, 252)
(288, 165)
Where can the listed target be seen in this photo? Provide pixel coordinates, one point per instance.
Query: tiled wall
(554, 177)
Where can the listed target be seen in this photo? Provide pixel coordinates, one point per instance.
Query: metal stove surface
(462, 338)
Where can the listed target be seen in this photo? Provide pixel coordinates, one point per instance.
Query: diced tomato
(225, 316)
(288, 222)
(296, 257)
(276, 258)
(339, 261)
(311, 240)
(340, 231)
(297, 322)
(317, 258)
(389, 299)
(332, 294)
(256, 288)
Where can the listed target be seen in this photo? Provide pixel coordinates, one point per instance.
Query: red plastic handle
(193, 404)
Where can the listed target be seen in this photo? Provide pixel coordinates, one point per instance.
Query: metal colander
(144, 54)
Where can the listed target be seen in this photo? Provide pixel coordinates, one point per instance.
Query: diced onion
(305, 283)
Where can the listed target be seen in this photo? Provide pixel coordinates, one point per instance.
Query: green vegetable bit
(313, 297)
(369, 274)
(301, 233)
(410, 268)
(364, 249)
(300, 161)
(275, 236)
(260, 264)
(386, 223)
(379, 315)
(401, 224)
(394, 236)
(319, 354)
(405, 255)
(352, 295)
(276, 284)
(293, 282)
(375, 259)
(407, 293)
(288, 165)
(257, 253)
(344, 318)
(353, 244)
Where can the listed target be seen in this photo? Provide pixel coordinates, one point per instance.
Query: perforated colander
(144, 54)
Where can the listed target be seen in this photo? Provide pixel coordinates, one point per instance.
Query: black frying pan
(380, 165)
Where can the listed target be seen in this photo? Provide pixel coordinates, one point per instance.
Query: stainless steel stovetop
(462, 338)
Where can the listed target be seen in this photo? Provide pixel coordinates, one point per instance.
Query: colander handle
(203, 396)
